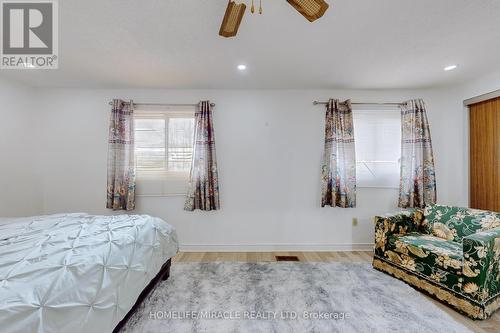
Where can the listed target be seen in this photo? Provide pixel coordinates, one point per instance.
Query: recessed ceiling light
(242, 67)
(450, 67)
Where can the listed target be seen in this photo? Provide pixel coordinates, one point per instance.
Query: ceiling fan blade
(232, 19)
(310, 9)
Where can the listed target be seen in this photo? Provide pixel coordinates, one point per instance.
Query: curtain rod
(364, 103)
(165, 104)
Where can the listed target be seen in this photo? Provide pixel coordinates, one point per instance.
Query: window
(164, 143)
(378, 147)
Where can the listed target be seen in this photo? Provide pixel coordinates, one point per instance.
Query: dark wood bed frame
(162, 275)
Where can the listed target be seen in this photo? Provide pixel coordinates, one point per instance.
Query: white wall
(481, 85)
(19, 190)
(269, 147)
(269, 150)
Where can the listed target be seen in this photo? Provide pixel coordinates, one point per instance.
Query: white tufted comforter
(77, 272)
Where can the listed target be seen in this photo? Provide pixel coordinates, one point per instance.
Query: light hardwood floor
(481, 326)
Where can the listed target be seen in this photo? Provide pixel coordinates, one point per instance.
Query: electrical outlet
(354, 221)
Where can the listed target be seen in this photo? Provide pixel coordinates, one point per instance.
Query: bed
(79, 272)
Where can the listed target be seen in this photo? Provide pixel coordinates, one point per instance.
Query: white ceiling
(356, 44)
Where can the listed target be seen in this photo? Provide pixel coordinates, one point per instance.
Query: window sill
(162, 177)
(161, 195)
(380, 187)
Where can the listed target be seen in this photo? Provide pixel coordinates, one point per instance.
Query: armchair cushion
(426, 254)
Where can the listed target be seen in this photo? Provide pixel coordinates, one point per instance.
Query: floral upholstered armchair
(452, 253)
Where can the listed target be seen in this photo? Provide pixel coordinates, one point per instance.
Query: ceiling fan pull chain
(252, 9)
(260, 6)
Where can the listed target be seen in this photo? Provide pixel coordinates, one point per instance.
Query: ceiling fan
(310, 9)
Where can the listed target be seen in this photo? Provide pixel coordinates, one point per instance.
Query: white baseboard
(274, 247)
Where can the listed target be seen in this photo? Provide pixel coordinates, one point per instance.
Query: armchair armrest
(395, 224)
(481, 264)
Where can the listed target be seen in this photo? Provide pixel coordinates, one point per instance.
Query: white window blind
(163, 151)
(378, 147)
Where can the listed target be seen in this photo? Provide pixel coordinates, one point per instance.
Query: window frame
(375, 110)
(165, 114)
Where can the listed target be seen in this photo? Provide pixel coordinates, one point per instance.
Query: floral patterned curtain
(339, 164)
(121, 164)
(418, 182)
(203, 191)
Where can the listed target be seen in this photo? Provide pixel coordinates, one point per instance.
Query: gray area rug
(286, 297)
